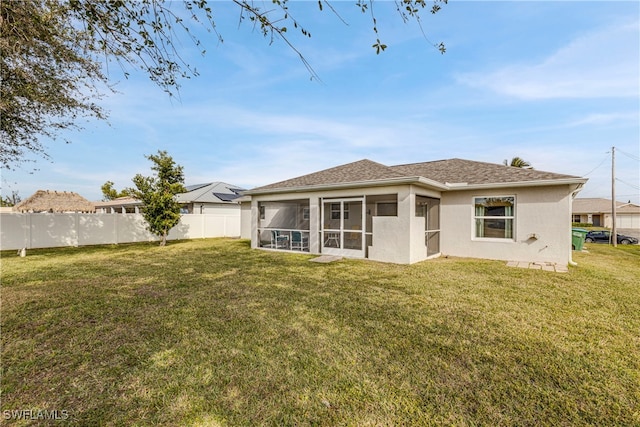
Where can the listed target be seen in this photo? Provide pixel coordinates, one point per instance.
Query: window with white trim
(494, 217)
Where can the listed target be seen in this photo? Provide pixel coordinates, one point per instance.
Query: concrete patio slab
(326, 259)
(545, 266)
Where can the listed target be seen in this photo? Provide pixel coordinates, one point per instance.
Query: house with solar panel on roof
(412, 212)
(208, 198)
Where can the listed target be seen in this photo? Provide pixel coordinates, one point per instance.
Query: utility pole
(614, 234)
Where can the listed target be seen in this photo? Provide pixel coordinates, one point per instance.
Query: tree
(517, 162)
(110, 193)
(11, 200)
(48, 80)
(157, 193)
(54, 51)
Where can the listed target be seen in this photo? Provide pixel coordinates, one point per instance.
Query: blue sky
(556, 83)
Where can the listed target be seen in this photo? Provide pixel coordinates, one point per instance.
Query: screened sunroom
(284, 224)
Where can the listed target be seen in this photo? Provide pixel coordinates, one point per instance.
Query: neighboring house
(54, 202)
(599, 213)
(409, 213)
(209, 198)
(119, 205)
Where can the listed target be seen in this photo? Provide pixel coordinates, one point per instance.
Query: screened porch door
(429, 208)
(342, 227)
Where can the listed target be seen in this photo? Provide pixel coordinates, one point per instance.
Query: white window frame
(512, 217)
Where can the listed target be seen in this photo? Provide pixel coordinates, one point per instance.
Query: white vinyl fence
(47, 230)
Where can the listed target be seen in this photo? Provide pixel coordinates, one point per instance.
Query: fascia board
(538, 183)
(416, 180)
(347, 185)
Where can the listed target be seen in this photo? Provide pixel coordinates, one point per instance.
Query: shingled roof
(446, 174)
(212, 192)
(55, 201)
(362, 170)
(599, 205)
(471, 172)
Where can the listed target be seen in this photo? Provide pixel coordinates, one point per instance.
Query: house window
(305, 214)
(262, 212)
(335, 210)
(387, 209)
(494, 217)
(576, 218)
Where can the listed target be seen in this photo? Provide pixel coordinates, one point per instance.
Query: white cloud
(601, 64)
(604, 119)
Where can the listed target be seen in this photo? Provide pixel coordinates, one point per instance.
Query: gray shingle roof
(472, 172)
(442, 171)
(213, 192)
(362, 170)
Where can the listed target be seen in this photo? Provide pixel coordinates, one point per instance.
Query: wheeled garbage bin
(577, 238)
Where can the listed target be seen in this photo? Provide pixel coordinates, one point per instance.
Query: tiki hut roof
(55, 201)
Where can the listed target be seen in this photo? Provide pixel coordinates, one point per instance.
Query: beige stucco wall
(245, 220)
(398, 230)
(541, 212)
(544, 212)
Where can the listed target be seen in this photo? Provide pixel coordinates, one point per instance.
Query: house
(412, 212)
(213, 197)
(54, 202)
(209, 198)
(598, 211)
(119, 205)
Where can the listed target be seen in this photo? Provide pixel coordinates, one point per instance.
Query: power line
(632, 156)
(630, 185)
(594, 169)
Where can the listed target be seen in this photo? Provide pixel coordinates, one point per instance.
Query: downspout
(573, 196)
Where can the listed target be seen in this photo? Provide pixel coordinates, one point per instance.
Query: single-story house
(209, 198)
(54, 202)
(119, 205)
(412, 212)
(598, 211)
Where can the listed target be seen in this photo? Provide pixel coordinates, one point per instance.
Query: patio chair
(279, 241)
(298, 241)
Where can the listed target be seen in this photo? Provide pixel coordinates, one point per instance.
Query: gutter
(457, 186)
(447, 186)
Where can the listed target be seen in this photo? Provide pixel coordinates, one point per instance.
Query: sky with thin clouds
(555, 83)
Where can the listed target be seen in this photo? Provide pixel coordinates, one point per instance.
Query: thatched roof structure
(55, 201)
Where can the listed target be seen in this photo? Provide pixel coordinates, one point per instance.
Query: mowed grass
(210, 332)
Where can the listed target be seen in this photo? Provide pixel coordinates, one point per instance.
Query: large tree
(53, 53)
(157, 193)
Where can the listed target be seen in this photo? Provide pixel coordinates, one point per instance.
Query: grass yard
(212, 333)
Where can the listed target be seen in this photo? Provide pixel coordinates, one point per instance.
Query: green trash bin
(577, 238)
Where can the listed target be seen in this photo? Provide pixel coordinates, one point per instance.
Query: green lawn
(210, 332)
